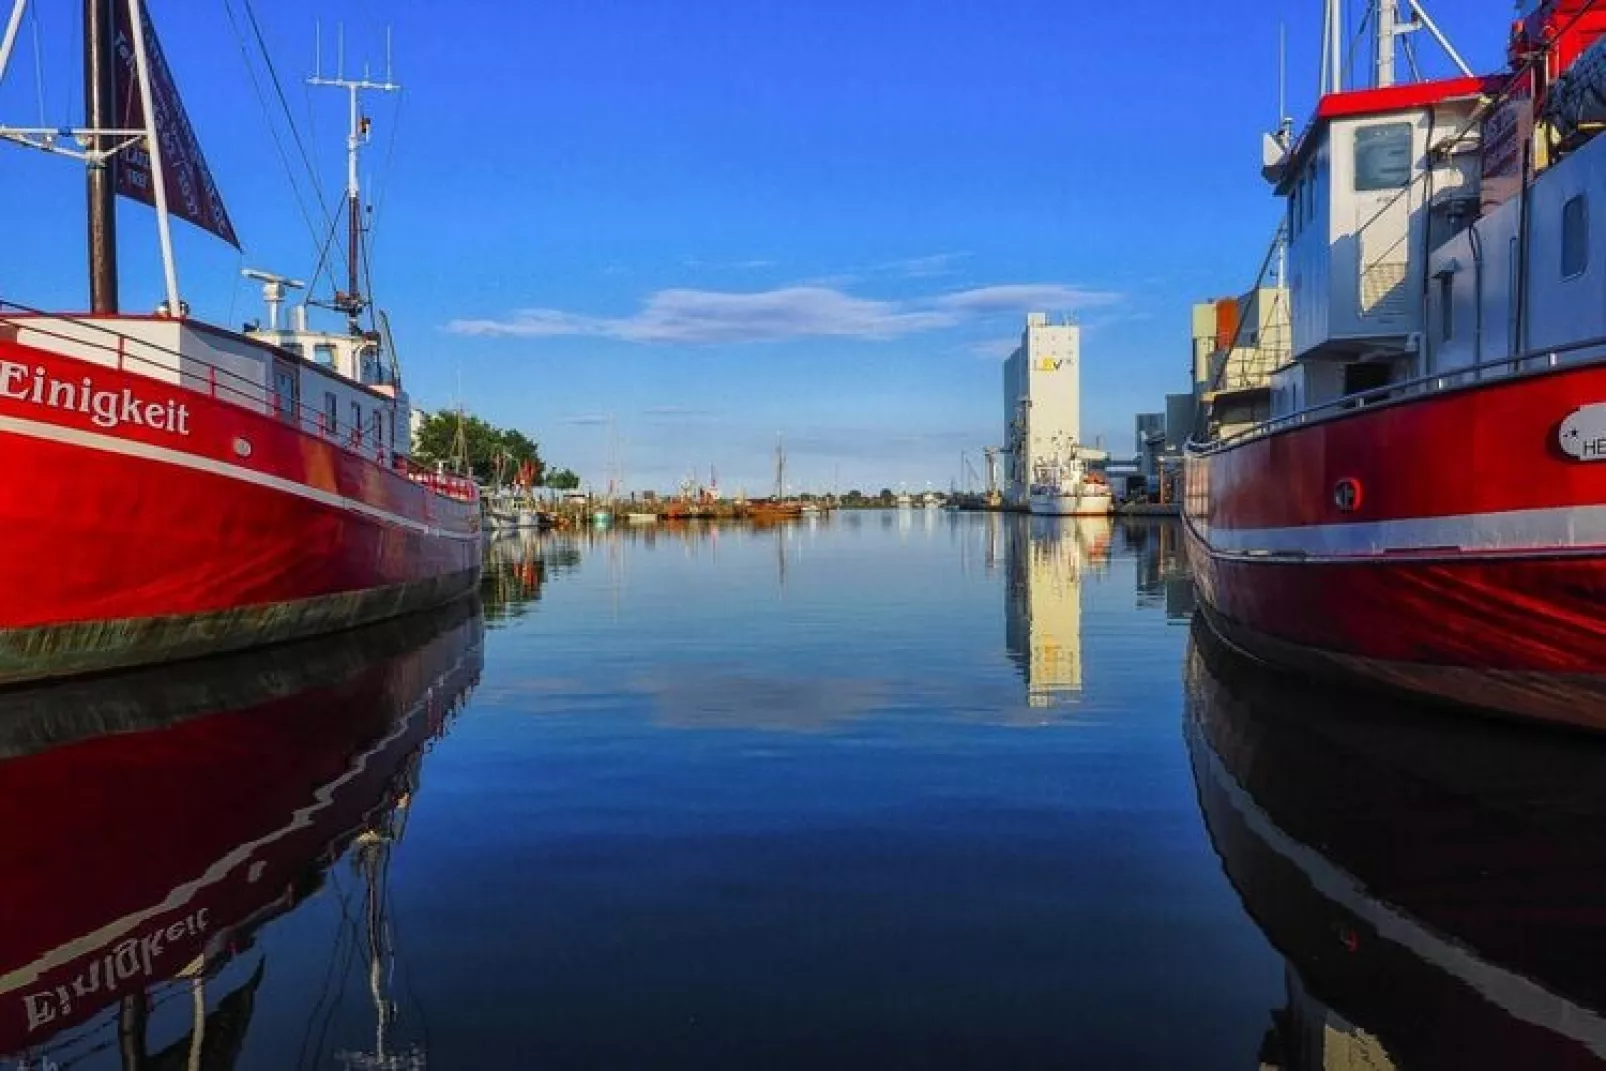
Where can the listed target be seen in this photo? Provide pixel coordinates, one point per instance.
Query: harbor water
(873, 789)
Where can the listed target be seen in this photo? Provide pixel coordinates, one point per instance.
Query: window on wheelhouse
(368, 365)
(1446, 308)
(324, 354)
(331, 412)
(1365, 376)
(284, 393)
(1574, 237)
(1383, 157)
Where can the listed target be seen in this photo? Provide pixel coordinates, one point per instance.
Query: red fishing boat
(1398, 474)
(177, 488)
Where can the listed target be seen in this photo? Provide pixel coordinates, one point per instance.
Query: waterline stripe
(1556, 528)
(110, 444)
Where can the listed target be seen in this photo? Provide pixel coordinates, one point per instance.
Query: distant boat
(904, 501)
(1064, 486)
(642, 518)
(777, 507)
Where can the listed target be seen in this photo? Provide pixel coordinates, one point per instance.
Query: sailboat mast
(100, 55)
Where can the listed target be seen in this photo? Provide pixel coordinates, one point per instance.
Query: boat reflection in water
(155, 820)
(1163, 580)
(517, 565)
(1048, 558)
(1437, 890)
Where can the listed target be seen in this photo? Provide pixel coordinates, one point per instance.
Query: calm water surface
(883, 790)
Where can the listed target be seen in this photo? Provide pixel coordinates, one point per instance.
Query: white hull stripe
(110, 444)
(1517, 995)
(1563, 528)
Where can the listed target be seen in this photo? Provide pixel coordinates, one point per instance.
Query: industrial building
(1042, 401)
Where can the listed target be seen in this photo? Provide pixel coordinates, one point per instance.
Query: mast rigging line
(289, 120)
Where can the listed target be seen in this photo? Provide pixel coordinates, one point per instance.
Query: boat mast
(100, 55)
(780, 468)
(351, 301)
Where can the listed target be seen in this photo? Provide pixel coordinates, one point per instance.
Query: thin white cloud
(921, 267)
(794, 312)
(996, 350)
(586, 421)
(754, 264)
(1026, 297)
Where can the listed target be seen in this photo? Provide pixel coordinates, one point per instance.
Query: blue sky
(705, 223)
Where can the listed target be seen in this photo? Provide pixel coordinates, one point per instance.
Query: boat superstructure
(1411, 494)
(200, 488)
(1064, 484)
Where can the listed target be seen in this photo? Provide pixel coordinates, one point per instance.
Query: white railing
(1534, 362)
(229, 386)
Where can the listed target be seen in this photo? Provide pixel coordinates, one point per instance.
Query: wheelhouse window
(1446, 308)
(1383, 157)
(331, 412)
(284, 393)
(324, 353)
(1574, 237)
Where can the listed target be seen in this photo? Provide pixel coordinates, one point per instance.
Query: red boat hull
(1443, 544)
(135, 543)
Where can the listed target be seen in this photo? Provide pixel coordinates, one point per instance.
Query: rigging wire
(289, 117)
(38, 64)
(278, 141)
(382, 187)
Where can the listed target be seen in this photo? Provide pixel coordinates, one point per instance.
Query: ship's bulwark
(1469, 564)
(161, 539)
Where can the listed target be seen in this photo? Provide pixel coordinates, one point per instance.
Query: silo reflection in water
(1049, 559)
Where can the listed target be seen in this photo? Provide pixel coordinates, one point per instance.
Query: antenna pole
(1282, 70)
(353, 302)
(1333, 48)
(1386, 15)
(100, 56)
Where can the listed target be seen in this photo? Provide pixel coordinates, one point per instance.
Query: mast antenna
(352, 301)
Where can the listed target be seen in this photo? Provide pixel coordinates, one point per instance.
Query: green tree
(562, 480)
(448, 437)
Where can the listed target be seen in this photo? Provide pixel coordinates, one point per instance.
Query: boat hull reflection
(169, 813)
(1438, 890)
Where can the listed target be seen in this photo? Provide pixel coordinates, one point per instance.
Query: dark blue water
(881, 790)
